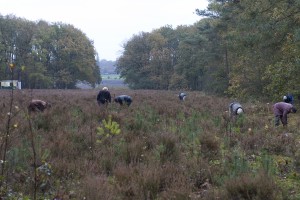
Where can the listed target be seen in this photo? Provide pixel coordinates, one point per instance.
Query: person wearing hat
(104, 97)
(288, 98)
(182, 96)
(281, 111)
(235, 108)
(123, 99)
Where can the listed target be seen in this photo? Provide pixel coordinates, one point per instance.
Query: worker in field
(104, 97)
(123, 99)
(235, 108)
(182, 96)
(37, 105)
(288, 98)
(281, 111)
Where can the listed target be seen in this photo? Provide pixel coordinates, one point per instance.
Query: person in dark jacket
(182, 96)
(37, 105)
(235, 108)
(281, 111)
(104, 97)
(288, 99)
(123, 99)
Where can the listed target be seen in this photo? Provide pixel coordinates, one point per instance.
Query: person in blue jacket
(182, 96)
(288, 99)
(123, 99)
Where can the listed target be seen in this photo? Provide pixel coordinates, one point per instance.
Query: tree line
(46, 55)
(240, 48)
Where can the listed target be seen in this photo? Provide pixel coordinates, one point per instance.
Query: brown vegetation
(158, 148)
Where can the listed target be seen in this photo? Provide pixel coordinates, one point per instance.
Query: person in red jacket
(281, 111)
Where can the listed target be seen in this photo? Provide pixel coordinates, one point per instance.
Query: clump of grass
(98, 187)
(210, 145)
(251, 186)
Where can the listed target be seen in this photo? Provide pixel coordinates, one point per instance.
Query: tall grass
(166, 148)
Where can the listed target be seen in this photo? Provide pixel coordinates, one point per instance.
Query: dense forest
(46, 55)
(240, 48)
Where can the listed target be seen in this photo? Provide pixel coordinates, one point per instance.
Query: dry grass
(167, 149)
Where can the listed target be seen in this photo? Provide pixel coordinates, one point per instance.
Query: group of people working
(104, 97)
(280, 109)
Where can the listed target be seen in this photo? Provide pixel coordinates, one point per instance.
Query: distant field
(110, 76)
(112, 80)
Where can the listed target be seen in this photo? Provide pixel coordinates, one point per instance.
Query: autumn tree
(133, 64)
(53, 55)
(16, 34)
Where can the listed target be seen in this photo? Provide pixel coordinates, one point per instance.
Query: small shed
(9, 84)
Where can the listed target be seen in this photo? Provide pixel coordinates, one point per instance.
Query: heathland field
(158, 148)
(113, 80)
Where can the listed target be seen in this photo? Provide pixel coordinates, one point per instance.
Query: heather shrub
(251, 186)
(158, 148)
(199, 172)
(167, 149)
(139, 182)
(235, 163)
(297, 161)
(98, 187)
(210, 145)
(253, 141)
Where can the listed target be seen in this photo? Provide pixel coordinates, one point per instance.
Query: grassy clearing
(158, 148)
(110, 77)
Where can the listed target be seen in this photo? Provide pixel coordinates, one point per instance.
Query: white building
(8, 84)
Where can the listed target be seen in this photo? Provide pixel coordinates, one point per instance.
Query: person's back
(123, 99)
(182, 96)
(281, 110)
(288, 98)
(104, 96)
(38, 105)
(235, 108)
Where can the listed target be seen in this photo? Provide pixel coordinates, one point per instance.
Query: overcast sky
(108, 23)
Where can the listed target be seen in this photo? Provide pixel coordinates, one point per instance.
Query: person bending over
(123, 99)
(235, 108)
(182, 96)
(281, 111)
(37, 105)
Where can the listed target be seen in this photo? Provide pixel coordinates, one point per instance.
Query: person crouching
(123, 99)
(182, 96)
(281, 111)
(37, 105)
(235, 108)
